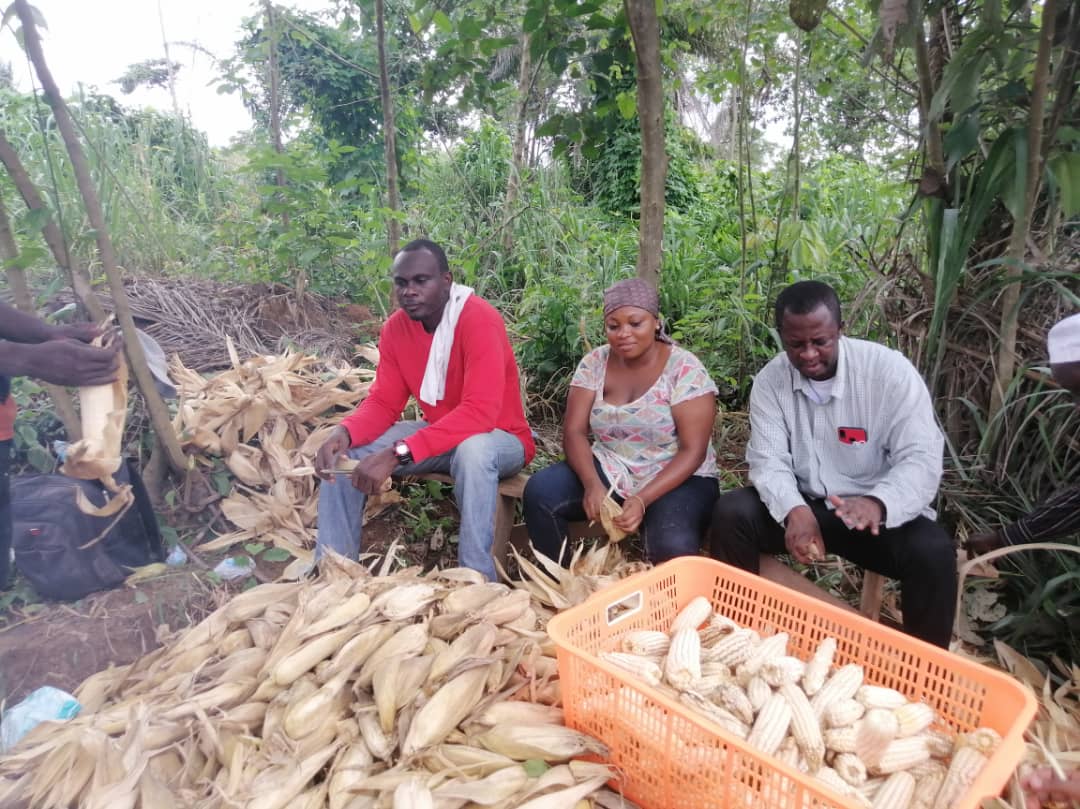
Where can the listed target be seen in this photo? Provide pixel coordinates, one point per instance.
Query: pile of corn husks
(346, 691)
(267, 417)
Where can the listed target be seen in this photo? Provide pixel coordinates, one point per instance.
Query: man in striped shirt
(845, 457)
(1060, 515)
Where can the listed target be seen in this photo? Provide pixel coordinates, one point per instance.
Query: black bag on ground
(48, 530)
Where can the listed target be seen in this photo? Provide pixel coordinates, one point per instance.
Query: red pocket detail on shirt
(851, 435)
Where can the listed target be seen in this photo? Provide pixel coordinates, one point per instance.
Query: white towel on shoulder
(433, 386)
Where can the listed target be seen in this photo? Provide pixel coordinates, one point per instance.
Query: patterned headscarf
(635, 292)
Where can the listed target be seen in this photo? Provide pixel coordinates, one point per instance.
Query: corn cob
(896, 792)
(709, 684)
(711, 668)
(841, 740)
(404, 601)
(873, 734)
(351, 609)
(843, 712)
(877, 696)
(693, 615)
(758, 692)
(715, 713)
(291, 667)
(732, 649)
(644, 668)
(832, 779)
(771, 725)
(901, 754)
(497, 787)
(446, 708)
(408, 641)
(770, 648)
(913, 718)
(850, 767)
(545, 742)
(646, 642)
(472, 597)
(804, 726)
(817, 670)
(843, 684)
(682, 666)
(940, 742)
(928, 779)
(413, 794)
(973, 751)
(780, 670)
(734, 699)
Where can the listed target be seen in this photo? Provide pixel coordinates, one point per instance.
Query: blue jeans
(476, 464)
(673, 526)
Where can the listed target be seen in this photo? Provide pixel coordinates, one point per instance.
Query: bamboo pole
(1010, 299)
(159, 414)
(393, 196)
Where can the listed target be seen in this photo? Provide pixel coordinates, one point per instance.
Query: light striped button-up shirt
(877, 435)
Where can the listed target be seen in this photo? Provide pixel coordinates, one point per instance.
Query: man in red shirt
(57, 354)
(449, 349)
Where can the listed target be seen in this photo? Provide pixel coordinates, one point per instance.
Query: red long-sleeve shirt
(482, 388)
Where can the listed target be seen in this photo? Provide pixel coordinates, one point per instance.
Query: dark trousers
(920, 554)
(5, 513)
(673, 526)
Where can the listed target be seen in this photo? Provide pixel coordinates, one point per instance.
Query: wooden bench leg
(504, 524)
(873, 589)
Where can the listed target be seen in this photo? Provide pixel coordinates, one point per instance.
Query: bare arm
(578, 450)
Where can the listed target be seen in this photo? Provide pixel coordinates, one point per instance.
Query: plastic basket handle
(625, 607)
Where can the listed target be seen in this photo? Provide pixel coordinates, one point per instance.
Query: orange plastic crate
(673, 758)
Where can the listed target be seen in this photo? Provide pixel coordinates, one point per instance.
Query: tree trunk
(393, 226)
(1010, 299)
(645, 30)
(80, 279)
(931, 132)
(159, 414)
(9, 251)
(517, 159)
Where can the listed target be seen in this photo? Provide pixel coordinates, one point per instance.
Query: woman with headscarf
(649, 406)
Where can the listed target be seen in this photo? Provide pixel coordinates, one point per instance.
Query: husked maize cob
(873, 734)
(817, 670)
(804, 726)
(841, 740)
(913, 718)
(843, 684)
(790, 755)
(733, 649)
(878, 696)
(780, 670)
(711, 668)
(758, 692)
(973, 750)
(843, 712)
(850, 767)
(868, 788)
(735, 700)
(646, 642)
(770, 648)
(682, 666)
(901, 754)
(896, 792)
(940, 742)
(771, 725)
(693, 615)
(709, 684)
(715, 713)
(928, 779)
(832, 779)
(645, 668)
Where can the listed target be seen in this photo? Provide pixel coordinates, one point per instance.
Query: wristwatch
(402, 453)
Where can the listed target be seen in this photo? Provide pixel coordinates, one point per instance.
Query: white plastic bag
(43, 705)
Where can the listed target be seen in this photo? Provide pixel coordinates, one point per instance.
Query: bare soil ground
(60, 644)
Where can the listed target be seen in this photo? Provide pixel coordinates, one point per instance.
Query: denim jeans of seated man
(477, 465)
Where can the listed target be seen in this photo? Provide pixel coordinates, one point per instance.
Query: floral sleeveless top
(634, 441)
